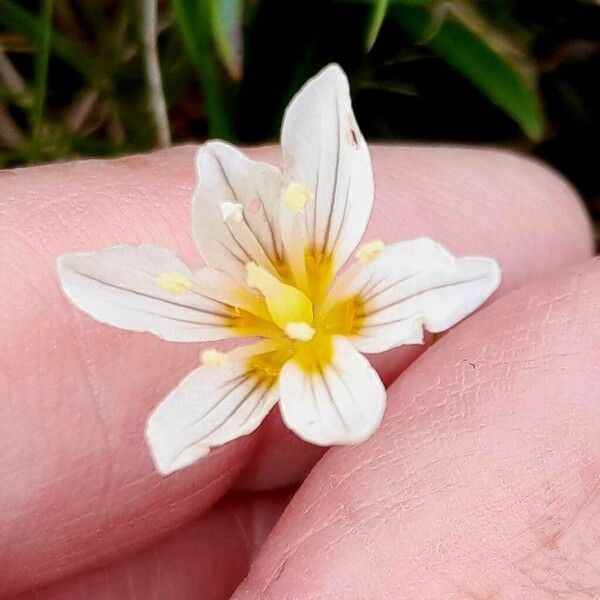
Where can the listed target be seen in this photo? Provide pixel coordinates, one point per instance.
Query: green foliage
(473, 54)
(197, 22)
(510, 72)
(35, 28)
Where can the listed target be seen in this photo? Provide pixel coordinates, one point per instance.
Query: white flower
(275, 243)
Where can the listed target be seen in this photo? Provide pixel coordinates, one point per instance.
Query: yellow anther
(296, 196)
(300, 331)
(176, 283)
(370, 251)
(213, 358)
(286, 303)
(232, 212)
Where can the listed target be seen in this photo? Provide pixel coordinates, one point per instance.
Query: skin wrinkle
(226, 475)
(126, 547)
(195, 561)
(92, 204)
(157, 571)
(108, 473)
(550, 529)
(552, 558)
(342, 517)
(338, 481)
(568, 493)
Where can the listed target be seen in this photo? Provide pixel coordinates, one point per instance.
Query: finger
(483, 481)
(206, 559)
(75, 473)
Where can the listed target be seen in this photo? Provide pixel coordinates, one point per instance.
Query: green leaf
(376, 21)
(226, 21)
(194, 20)
(480, 61)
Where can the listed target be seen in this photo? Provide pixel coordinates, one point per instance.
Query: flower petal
(229, 239)
(324, 151)
(148, 288)
(210, 407)
(337, 402)
(414, 285)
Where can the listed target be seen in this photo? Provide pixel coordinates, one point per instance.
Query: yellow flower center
(302, 330)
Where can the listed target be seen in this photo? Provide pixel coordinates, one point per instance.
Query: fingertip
(483, 202)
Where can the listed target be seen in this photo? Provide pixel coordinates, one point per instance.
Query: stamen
(232, 212)
(300, 331)
(176, 283)
(213, 358)
(370, 251)
(296, 196)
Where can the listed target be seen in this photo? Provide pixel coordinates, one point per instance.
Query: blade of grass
(40, 75)
(194, 20)
(226, 22)
(376, 21)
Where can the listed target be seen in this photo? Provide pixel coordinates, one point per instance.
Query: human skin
(484, 481)
(205, 559)
(77, 487)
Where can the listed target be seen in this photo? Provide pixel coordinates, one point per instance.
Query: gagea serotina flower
(276, 244)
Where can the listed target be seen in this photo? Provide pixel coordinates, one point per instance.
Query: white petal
(121, 286)
(210, 407)
(414, 285)
(235, 209)
(324, 150)
(341, 403)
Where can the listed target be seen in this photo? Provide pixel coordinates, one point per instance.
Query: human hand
(458, 467)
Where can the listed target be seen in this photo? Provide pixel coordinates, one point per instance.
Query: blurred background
(109, 77)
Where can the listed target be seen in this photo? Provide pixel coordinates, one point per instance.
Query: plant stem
(151, 63)
(40, 78)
